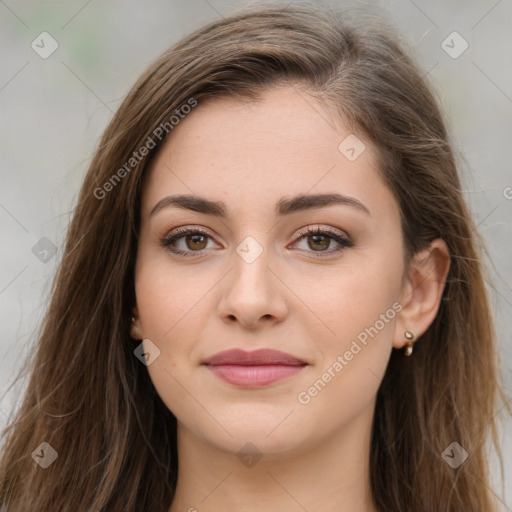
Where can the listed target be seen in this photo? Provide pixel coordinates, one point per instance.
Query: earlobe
(422, 292)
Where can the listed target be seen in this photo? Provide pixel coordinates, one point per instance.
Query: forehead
(283, 144)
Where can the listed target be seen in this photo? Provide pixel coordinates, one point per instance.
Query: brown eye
(319, 242)
(322, 241)
(188, 242)
(196, 242)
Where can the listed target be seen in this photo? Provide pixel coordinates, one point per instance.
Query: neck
(329, 476)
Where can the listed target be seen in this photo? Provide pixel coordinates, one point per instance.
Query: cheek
(172, 316)
(167, 296)
(358, 310)
(360, 316)
(351, 299)
(174, 304)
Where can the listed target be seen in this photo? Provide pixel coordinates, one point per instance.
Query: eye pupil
(319, 239)
(196, 239)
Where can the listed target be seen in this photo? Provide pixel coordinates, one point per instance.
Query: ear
(422, 291)
(135, 328)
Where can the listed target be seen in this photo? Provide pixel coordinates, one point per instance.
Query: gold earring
(409, 336)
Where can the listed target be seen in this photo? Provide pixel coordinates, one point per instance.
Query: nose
(253, 294)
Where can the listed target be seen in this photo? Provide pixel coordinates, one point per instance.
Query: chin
(248, 442)
(268, 433)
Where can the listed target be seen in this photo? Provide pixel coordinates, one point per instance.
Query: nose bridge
(252, 292)
(251, 277)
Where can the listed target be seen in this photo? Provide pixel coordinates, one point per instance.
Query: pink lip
(253, 369)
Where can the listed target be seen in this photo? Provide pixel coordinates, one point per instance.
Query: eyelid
(187, 228)
(311, 229)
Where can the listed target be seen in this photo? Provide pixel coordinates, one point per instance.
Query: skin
(292, 297)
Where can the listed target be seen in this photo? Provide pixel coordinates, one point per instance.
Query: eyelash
(168, 241)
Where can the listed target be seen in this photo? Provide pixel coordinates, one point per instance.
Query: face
(244, 264)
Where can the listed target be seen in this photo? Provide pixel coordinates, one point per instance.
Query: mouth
(254, 369)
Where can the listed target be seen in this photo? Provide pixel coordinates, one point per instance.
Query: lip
(254, 369)
(263, 356)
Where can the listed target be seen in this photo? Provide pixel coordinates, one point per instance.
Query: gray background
(53, 111)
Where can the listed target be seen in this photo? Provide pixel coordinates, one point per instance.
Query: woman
(270, 277)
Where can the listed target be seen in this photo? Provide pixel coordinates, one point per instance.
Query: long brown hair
(92, 400)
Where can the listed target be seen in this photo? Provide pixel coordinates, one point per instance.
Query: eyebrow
(284, 206)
